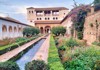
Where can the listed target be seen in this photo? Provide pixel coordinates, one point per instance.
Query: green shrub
(83, 59)
(71, 42)
(80, 35)
(8, 66)
(53, 59)
(21, 39)
(30, 31)
(58, 30)
(63, 48)
(96, 43)
(36, 65)
(97, 65)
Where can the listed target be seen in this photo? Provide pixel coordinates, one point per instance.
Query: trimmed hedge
(37, 65)
(10, 47)
(9, 66)
(53, 59)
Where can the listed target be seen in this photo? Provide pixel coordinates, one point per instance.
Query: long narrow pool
(29, 55)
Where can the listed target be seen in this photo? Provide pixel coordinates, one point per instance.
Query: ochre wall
(90, 33)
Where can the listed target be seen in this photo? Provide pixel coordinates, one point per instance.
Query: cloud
(3, 14)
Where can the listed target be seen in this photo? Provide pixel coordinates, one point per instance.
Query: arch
(4, 28)
(15, 29)
(19, 29)
(41, 30)
(10, 28)
(47, 29)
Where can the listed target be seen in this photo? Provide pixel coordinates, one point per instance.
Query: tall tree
(96, 2)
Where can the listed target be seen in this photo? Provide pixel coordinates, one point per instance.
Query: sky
(17, 8)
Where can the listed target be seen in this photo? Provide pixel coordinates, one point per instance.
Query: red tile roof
(49, 8)
(13, 20)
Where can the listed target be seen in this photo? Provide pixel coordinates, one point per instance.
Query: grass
(53, 59)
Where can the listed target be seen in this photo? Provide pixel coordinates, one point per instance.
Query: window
(32, 11)
(15, 29)
(29, 11)
(37, 18)
(53, 18)
(56, 18)
(10, 28)
(4, 28)
(40, 18)
(19, 29)
(31, 21)
(45, 18)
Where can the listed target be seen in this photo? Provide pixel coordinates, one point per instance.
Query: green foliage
(79, 24)
(83, 59)
(8, 66)
(71, 42)
(96, 43)
(21, 39)
(58, 30)
(30, 31)
(12, 46)
(97, 65)
(80, 35)
(53, 59)
(36, 65)
(63, 48)
(96, 2)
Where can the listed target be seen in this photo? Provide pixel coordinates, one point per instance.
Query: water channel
(27, 57)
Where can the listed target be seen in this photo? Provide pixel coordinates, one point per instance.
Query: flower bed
(53, 59)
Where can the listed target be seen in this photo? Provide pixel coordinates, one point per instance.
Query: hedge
(8, 66)
(37, 65)
(53, 59)
(10, 47)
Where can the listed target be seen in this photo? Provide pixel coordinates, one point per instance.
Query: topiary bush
(31, 31)
(36, 65)
(9, 66)
(58, 30)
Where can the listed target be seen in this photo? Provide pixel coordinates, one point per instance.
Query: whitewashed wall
(12, 34)
(68, 24)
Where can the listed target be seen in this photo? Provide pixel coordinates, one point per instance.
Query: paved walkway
(42, 53)
(14, 52)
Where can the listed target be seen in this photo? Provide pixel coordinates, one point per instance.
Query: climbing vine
(79, 25)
